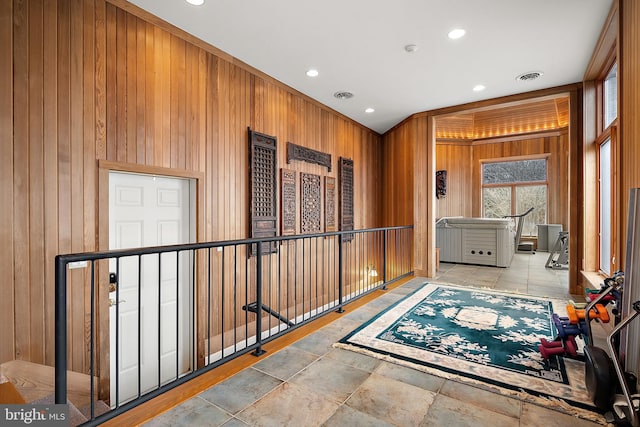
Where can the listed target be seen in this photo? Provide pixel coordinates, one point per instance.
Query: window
(610, 96)
(605, 206)
(512, 187)
(608, 100)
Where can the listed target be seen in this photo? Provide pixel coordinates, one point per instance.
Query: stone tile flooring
(310, 383)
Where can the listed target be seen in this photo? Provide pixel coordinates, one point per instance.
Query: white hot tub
(485, 241)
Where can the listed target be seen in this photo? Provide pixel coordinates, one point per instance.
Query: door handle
(113, 302)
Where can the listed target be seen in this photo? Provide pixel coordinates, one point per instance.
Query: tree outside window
(512, 187)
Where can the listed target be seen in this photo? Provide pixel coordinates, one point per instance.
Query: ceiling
(358, 46)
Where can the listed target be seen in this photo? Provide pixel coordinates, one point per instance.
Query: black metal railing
(154, 318)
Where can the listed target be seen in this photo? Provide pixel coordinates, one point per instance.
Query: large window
(512, 187)
(608, 100)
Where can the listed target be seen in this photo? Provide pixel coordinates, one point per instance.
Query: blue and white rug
(480, 335)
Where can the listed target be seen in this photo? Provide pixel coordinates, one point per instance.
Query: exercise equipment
(559, 255)
(521, 247)
(575, 323)
(562, 347)
(604, 376)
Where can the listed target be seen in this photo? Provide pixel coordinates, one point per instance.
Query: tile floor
(310, 383)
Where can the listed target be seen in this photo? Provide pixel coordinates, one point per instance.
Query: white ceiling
(358, 46)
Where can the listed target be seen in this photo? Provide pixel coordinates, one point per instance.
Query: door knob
(112, 287)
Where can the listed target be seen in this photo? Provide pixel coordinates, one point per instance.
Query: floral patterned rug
(484, 336)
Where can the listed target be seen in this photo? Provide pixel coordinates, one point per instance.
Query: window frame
(604, 134)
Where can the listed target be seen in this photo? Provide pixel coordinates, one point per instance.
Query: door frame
(102, 353)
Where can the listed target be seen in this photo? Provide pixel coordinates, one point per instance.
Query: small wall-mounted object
(441, 183)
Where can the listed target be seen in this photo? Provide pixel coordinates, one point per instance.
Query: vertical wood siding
(93, 82)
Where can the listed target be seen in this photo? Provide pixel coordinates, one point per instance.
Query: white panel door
(151, 311)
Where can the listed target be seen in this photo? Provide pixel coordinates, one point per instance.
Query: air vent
(530, 76)
(343, 95)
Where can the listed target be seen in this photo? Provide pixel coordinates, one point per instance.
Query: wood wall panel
(7, 255)
(456, 160)
(92, 82)
(629, 105)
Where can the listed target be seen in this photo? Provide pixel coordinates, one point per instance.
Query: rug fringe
(546, 402)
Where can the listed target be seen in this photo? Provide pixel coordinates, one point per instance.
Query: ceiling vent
(343, 95)
(530, 76)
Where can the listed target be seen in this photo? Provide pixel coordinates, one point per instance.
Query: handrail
(332, 287)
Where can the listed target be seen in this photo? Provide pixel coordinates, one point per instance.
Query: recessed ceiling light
(196, 2)
(478, 88)
(369, 110)
(312, 73)
(456, 33)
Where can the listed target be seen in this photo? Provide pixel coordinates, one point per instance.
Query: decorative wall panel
(263, 188)
(288, 201)
(298, 152)
(346, 196)
(329, 204)
(311, 203)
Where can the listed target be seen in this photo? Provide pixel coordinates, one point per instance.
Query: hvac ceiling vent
(530, 76)
(343, 95)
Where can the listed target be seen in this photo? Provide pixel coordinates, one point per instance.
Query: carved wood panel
(346, 197)
(329, 204)
(311, 203)
(298, 152)
(264, 196)
(288, 201)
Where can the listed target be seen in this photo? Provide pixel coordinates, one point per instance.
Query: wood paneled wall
(456, 159)
(629, 107)
(85, 81)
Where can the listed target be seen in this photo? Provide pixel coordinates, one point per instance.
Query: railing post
(259, 351)
(60, 332)
(340, 281)
(384, 260)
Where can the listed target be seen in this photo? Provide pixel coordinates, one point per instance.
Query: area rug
(481, 336)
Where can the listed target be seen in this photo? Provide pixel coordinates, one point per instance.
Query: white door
(154, 298)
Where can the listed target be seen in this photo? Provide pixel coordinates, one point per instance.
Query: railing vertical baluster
(384, 260)
(295, 280)
(177, 314)
(117, 352)
(61, 331)
(340, 274)
(208, 337)
(92, 368)
(304, 269)
(159, 319)
(193, 339)
(258, 351)
(139, 325)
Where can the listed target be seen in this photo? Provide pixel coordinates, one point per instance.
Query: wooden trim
(606, 45)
